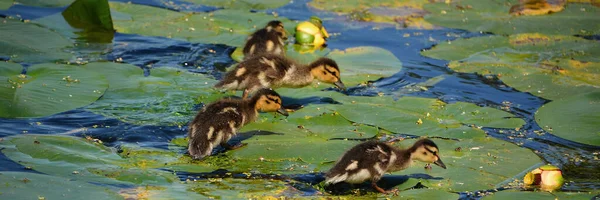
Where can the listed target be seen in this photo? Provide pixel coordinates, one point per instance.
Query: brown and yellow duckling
(370, 160)
(274, 71)
(268, 40)
(217, 122)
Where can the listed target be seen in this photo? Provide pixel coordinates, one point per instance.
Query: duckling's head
(327, 70)
(277, 26)
(267, 100)
(426, 151)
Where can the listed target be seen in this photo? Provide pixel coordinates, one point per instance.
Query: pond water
(578, 161)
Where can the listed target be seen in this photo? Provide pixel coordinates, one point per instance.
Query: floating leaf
(406, 13)
(230, 27)
(243, 4)
(438, 118)
(493, 16)
(89, 14)
(26, 42)
(167, 96)
(511, 194)
(6, 4)
(546, 66)
(360, 64)
(21, 185)
(47, 89)
(574, 118)
(44, 3)
(77, 159)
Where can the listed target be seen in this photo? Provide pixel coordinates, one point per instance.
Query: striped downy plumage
(268, 40)
(370, 160)
(274, 71)
(217, 122)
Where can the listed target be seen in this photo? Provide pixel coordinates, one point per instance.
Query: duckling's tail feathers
(198, 149)
(329, 179)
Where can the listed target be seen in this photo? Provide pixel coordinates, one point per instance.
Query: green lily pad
(31, 43)
(89, 14)
(166, 97)
(425, 194)
(77, 159)
(480, 164)
(574, 118)
(511, 194)
(230, 27)
(21, 185)
(6, 4)
(243, 4)
(546, 66)
(407, 13)
(493, 16)
(47, 89)
(361, 64)
(436, 117)
(45, 3)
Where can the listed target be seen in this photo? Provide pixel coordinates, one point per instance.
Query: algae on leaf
(31, 43)
(230, 27)
(166, 97)
(574, 118)
(494, 16)
(536, 195)
(22, 185)
(47, 89)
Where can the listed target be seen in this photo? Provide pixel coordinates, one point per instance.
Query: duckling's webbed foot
(394, 191)
(235, 146)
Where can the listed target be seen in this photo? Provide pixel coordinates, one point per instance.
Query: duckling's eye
(324, 73)
(424, 153)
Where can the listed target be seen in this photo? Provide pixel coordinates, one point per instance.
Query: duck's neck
(403, 159)
(250, 111)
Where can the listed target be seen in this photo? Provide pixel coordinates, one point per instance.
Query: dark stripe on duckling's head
(265, 92)
(274, 24)
(326, 62)
(424, 142)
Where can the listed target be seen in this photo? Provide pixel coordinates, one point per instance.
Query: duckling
(371, 159)
(217, 122)
(274, 71)
(266, 40)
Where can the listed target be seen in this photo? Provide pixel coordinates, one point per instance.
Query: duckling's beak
(340, 85)
(283, 112)
(440, 163)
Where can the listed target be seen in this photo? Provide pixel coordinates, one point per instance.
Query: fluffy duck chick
(274, 71)
(217, 122)
(370, 160)
(268, 40)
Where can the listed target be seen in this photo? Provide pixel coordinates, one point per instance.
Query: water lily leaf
(47, 89)
(547, 66)
(21, 185)
(44, 3)
(230, 27)
(511, 194)
(425, 194)
(360, 64)
(77, 159)
(166, 97)
(243, 4)
(574, 118)
(406, 13)
(26, 42)
(493, 16)
(423, 116)
(479, 164)
(6, 4)
(89, 14)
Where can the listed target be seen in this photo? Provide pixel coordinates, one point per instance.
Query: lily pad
(166, 97)
(479, 164)
(546, 66)
(230, 27)
(77, 159)
(423, 116)
(574, 118)
(21, 185)
(243, 4)
(494, 16)
(31, 43)
(406, 13)
(44, 3)
(47, 89)
(360, 64)
(511, 194)
(5, 4)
